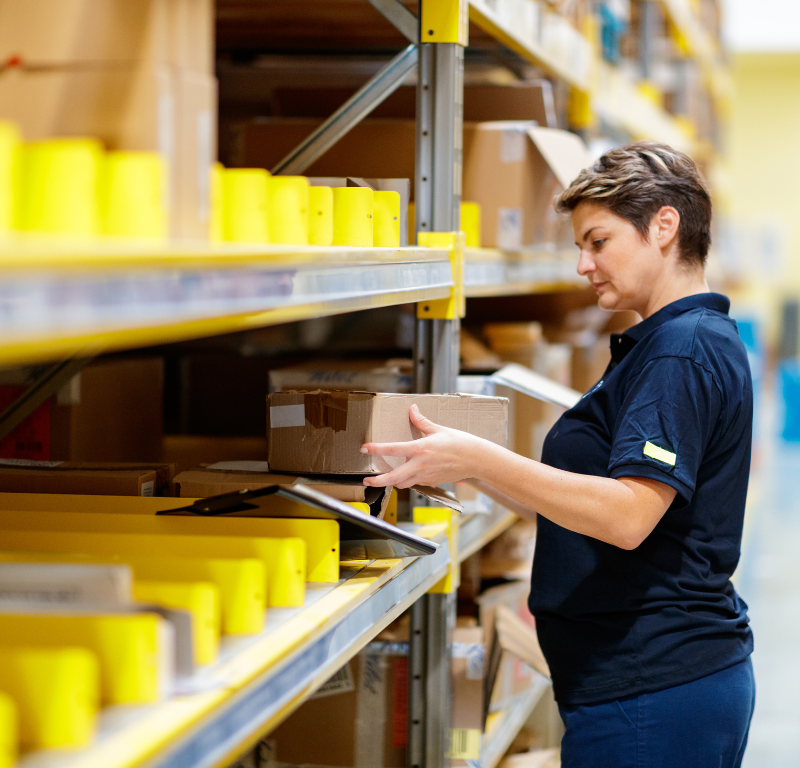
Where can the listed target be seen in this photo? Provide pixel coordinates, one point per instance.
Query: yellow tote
(352, 216)
(387, 219)
(287, 210)
(9, 731)
(132, 649)
(199, 599)
(217, 214)
(244, 205)
(57, 694)
(60, 187)
(471, 224)
(320, 216)
(133, 195)
(9, 175)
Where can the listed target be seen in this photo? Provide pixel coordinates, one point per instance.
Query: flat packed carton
(189, 451)
(322, 431)
(234, 476)
(363, 375)
(85, 478)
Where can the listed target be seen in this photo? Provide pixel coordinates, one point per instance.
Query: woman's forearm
(619, 512)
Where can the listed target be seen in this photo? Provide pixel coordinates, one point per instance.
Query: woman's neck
(683, 282)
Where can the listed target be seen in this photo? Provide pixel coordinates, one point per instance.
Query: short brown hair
(636, 181)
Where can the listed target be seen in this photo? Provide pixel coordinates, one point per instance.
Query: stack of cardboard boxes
(137, 74)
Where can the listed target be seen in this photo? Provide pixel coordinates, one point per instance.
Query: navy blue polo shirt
(675, 405)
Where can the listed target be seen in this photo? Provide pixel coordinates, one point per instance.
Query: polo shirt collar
(623, 343)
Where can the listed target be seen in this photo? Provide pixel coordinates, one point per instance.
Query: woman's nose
(585, 264)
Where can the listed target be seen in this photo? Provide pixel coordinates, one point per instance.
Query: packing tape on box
(287, 210)
(320, 216)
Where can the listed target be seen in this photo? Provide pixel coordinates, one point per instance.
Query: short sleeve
(665, 424)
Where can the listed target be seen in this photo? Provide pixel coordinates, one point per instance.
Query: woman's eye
(598, 243)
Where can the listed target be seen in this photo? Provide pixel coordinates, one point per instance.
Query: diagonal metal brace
(38, 392)
(356, 108)
(402, 19)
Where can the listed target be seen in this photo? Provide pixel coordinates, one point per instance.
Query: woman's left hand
(442, 456)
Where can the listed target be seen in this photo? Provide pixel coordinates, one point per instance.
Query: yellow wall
(764, 166)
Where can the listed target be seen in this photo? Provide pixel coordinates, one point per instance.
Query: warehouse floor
(769, 580)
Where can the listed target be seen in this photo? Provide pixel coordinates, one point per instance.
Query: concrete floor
(768, 579)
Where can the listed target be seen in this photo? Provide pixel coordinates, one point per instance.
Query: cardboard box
(112, 411)
(321, 432)
(85, 478)
(352, 375)
(144, 108)
(360, 716)
(177, 33)
(513, 170)
(189, 451)
(233, 476)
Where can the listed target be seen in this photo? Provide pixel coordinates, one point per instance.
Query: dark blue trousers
(702, 724)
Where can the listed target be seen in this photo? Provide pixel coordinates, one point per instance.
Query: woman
(641, 488)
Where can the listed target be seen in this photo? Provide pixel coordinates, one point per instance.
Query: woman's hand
(442, 456)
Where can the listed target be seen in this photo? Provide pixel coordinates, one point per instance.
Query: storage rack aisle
(64, 302)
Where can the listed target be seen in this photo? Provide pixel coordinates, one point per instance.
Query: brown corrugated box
(112, 411)
(178, 33)
(321, 432)
(85, 478)
(189, 451)
(233, 476)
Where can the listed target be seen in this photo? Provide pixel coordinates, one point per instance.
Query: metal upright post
(440, 93)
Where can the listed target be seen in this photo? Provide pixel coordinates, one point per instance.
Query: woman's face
(620, 264)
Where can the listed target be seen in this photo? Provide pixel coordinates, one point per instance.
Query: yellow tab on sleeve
(659, 454)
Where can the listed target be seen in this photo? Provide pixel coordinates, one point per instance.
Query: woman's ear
(666, 223)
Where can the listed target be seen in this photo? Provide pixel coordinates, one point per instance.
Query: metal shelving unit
(71, 302)
(78, 300)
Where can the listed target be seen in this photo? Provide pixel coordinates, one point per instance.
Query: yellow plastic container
(9, 731)
(353, 209)
(57, 694)
(244, 205)
(133, 195)
(216, 219)
(130, 648)
(471, 224)
(241, 583)
(287, 210)
(9, 174)
(284, 559)
(320, 216)
(387, 219)
(60, 187)
(200, 600)
(121, 515)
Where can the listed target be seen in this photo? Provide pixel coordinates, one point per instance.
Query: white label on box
(287, 416)
(474, 653)
(149, 488)
(512, 146)
(509, 229)
(341, 682)
(32, 463)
